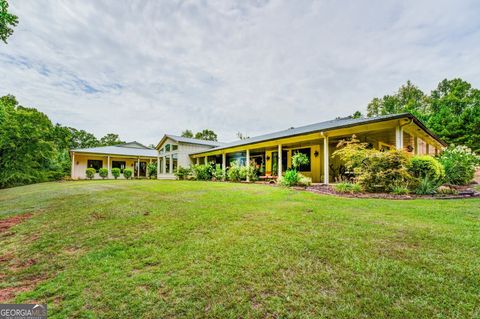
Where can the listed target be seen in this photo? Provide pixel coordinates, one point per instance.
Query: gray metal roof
(319, 127)
(182, 139)
(127, 149)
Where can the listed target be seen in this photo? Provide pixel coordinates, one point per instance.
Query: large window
(96, 164)
(167, 165)
(174, 162)
(167, 148)
(119, 164)
(174, 147)
(306, 151)
(161, 165)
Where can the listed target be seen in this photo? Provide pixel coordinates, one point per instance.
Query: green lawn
(169, 249)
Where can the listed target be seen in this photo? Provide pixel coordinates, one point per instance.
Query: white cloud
(143, 68)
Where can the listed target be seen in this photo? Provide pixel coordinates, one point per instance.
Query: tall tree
(409, 98)
(207, 135)
(7, 21)
(110, 139)
(187, 133)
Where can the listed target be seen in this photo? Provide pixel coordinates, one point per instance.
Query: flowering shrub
(460, 164)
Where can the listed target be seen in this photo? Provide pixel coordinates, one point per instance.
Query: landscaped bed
(170, 249)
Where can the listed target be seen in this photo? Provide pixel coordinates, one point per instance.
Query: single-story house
(133, 155)
(273, 152)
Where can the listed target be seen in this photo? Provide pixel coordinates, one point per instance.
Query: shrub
(235, 173)
(152, 170)
(90, 173)
(116, 172)
(426, 166)
(426, 186)
(183, 173)
(381, 171)
(217, 173)
(103, 172)
(127, 173)
(304, 180)
(400, 189)
(202, 172)
(347, 187)
(291, 178)
(460, 164)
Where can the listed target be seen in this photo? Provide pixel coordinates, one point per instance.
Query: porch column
(206, 160)
(73, 166)
(279, 164)
(224, 165)
(164, 165)
(198, 160)
(170, 169)
(158, 166)
(108, 167)
(138, 168)
(326, 164)
(247, 163)
(399, 137)
(415, 145)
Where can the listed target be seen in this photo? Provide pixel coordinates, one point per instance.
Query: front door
(143, 169)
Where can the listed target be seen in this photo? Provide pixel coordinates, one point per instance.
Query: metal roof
(181, 139)
(322, 126)
(127, 149)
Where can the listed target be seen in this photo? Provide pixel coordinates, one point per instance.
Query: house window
(174, 162)
(161, 165)
(174, 147)
(96, 164)
(119, 164)
(167, 165)
(167, 148)
(305, 167)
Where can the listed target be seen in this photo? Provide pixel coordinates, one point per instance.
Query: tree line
(33, 149)
(451, 110)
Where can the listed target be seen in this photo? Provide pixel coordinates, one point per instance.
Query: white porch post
(164, 165)
(108, 167)
(224, 164)
(206, 160)
(279, 161)
(415, 145)
(73, 165)
(326, 164)
(158, 166)
(138, 168)
(198, 160)
(247, 163)
(170, 168)
(399, 137)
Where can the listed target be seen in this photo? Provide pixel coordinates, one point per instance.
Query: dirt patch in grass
(7, 223)
(9, 293)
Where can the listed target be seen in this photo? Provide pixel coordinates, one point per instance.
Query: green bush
(217, 173)
(347, 187)
(103, 172)
(152, 170)
(381, 171)
(426, 166)
(183, 173)
(127, 173)
(90, 173)
(235, 173)
(400, 189)
(202, 172)
(291, 178)
(426, 186)
(116, 172)
(460, 164)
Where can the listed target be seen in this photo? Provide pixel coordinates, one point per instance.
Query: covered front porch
(274, 157)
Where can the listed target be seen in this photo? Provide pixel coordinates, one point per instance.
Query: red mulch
(329, 190)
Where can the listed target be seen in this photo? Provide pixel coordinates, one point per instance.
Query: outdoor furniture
(268, 178)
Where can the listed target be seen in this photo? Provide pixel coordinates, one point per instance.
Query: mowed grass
(170, 249)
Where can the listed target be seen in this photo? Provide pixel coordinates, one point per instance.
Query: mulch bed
(330, 190)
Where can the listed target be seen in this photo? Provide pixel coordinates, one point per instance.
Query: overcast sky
(145, 68)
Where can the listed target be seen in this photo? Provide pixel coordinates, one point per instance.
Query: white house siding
(183, 157)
